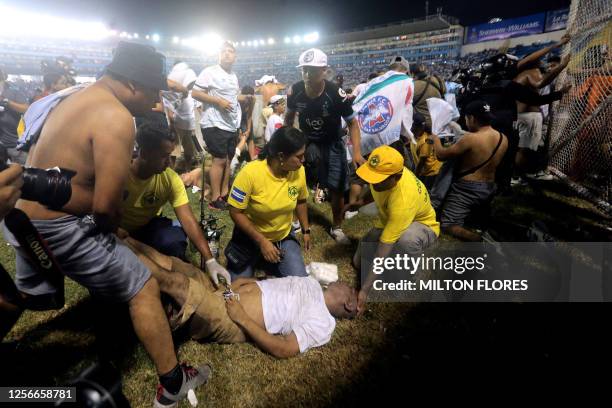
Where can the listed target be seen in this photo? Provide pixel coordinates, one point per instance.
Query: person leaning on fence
(262, 200)
(406, 220)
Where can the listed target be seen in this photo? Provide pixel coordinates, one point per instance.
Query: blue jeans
(291, 264)
(165, 235)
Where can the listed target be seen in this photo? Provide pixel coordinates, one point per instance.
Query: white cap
(275, 99)
(266, 79)
(313, 57)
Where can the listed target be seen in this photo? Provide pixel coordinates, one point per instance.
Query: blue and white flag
(384, 110)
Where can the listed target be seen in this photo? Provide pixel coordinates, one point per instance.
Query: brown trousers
(204, 310)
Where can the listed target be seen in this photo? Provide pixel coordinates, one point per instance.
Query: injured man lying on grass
(284, 316)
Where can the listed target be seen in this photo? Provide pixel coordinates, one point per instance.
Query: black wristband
(306, 231)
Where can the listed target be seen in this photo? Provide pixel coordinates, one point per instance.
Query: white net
(581, 127)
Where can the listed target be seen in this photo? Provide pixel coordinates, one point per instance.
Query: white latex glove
(215, 270)
(234, 164)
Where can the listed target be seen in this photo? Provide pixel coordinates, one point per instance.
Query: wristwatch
(306, 231)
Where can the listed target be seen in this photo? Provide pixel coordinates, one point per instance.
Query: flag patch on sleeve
(238, 195)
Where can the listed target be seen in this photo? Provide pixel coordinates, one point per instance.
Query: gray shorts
(100, 262)
(463, 197)
(416, 239)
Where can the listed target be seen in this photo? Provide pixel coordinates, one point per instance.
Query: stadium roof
(429, 23)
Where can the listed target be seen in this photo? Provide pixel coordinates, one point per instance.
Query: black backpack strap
(484, 163)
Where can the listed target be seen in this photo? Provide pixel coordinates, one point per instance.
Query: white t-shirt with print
(296, 304)
(222, 84)
(274, 122)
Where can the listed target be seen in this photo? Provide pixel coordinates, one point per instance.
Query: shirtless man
(92, 132)
(297, 313)
(479, 153)
(530, 119)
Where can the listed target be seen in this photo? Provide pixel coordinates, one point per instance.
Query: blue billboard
(557, 20)
(516, 27)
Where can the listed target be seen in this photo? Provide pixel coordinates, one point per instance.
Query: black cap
(141, 64)
(418, 119)
(480, 109)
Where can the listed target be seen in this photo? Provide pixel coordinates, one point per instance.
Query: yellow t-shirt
(144, 199)
(425, 149)
(268, 201)
(399, 207)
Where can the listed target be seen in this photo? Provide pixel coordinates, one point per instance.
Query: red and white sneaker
(192, 379)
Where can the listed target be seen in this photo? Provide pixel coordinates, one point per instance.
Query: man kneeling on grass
(283, 316)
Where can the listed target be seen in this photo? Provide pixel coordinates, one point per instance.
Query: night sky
(250, 19)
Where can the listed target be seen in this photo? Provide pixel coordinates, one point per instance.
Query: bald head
(341, 300)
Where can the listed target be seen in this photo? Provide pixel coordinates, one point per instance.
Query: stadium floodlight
(123, 34)
(287, 40)
(242, 43)
(311, 37)
(156, 37)
(262, 42)
(297, 39)
(113, 33)
(18, 23)
(175, 40)
(136, 35)
(148, 37)
(249, 43)
(270, 41)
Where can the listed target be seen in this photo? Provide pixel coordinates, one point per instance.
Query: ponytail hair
(286, 140)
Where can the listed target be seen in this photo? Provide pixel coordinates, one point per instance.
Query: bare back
(479, 147)
(90, 119)
(528, 77)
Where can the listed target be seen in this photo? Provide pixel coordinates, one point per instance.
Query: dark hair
(372, 76)
(177, 62)
(227, 44)
(286, 140)
(247, 90)
(478, 110)
(554, 58)
(150, 135)
(51, 78)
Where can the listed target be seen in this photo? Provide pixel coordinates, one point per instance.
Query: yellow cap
(384, 161)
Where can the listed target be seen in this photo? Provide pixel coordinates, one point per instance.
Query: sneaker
(518, 182)
(192, 379)
(217, 205)
(339, 236)
(296, 227)
(542, 176)
(350, 214)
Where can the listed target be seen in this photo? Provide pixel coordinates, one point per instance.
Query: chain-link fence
(581, 132)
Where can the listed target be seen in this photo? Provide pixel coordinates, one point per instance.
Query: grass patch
(365, 358)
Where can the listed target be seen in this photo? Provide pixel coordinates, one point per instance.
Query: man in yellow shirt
(407, 221)
(151, 184)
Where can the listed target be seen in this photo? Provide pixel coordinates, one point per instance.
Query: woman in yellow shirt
(263, 198)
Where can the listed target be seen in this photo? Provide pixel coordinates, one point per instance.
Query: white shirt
(274, 122)
(296, 304)
(183, 109)
(224, 85)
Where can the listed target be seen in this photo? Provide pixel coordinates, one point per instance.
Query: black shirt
(320, 117)
(9, 119)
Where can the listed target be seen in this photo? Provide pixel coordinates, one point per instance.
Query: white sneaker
(518, 182)
(339, 236)
(296, 227)
(350, 214)
(544, 176)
